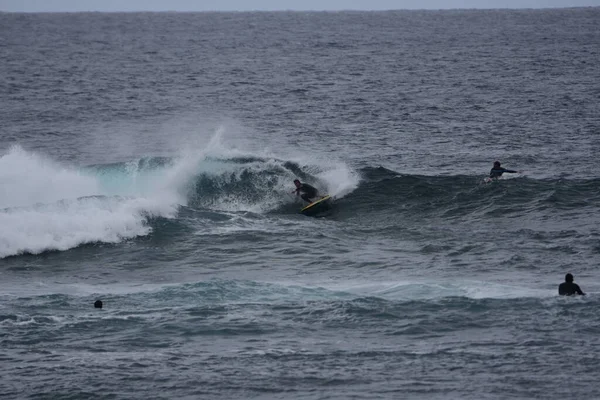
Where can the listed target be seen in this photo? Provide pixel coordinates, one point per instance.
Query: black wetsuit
(497, 172)
(569, 288)
(308, 192)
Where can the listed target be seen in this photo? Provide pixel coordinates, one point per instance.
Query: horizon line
(295, 10)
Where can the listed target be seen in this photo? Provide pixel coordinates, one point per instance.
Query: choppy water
(147, 160)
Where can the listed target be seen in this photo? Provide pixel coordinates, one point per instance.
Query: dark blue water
(147, 160)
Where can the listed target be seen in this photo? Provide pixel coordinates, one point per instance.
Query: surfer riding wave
(305, 191)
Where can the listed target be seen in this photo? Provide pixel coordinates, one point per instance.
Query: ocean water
(147, 160)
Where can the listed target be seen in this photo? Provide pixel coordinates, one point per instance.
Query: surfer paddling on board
(568, 287)
(497, 171)
(306, 191)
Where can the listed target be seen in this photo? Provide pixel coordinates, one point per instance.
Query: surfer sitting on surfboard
(306, 191)
(497, 170)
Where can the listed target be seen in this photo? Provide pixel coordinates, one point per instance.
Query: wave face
(467, 197)
(48, 206)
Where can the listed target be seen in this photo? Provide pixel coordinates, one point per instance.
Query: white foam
(48, 206)
(340, 180)
(69, 223)
(336, 176)
(424, 290)
(28, 178)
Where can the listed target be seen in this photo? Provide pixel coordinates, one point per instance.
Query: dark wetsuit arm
(497, 172)
(578, 289)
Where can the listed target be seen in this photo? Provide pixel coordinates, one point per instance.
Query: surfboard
(317, 207)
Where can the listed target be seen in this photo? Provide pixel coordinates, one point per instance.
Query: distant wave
(383, 190)
(347, 303)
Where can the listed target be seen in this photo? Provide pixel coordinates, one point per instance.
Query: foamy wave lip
(47, 206)
(70, 223)
(28, 178)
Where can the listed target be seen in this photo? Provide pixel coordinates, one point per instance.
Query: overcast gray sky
(248, 5)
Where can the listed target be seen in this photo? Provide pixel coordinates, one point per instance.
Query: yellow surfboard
(316, 207)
